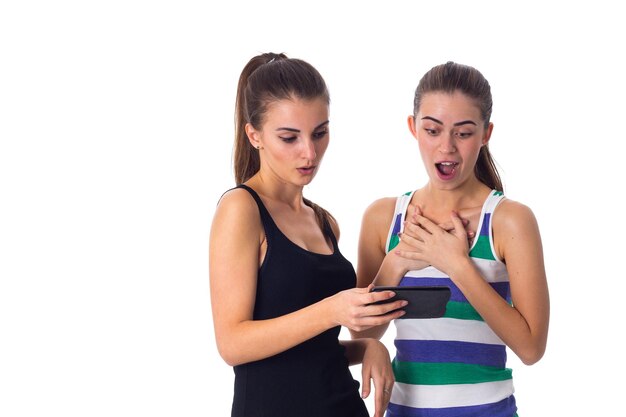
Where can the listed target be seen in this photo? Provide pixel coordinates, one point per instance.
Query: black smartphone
(425, 302)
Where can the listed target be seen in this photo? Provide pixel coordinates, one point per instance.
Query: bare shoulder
(514, 224)
(380, 211)
(511, 215)
(375, 225)
(237, 206)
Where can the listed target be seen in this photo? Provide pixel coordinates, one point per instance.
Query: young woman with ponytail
(456, 365)
(280, 287)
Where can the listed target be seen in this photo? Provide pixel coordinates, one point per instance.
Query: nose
(308, 150)
(447, 144)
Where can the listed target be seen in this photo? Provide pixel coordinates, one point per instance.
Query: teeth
(448, 163)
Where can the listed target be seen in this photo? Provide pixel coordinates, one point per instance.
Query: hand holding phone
(425, 302)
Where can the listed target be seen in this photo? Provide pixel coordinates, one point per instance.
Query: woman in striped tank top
(456, 365)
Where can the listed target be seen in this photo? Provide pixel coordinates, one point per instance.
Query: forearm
(390, 273)
(253, 340)
(505, 320)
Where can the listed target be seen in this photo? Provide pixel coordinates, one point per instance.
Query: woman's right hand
(355, 308)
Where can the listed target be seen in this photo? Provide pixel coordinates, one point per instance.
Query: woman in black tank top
(280, 287)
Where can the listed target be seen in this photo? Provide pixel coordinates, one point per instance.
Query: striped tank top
(454, 365)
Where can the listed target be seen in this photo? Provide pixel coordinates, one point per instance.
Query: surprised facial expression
(450, 132)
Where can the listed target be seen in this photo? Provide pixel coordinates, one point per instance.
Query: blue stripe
(484, 230)
(504, 408)
(396, 225)
(502, 288)
(441, 351)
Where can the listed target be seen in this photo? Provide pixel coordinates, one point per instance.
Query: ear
(254, 136)
(412, 127)
(488, 132)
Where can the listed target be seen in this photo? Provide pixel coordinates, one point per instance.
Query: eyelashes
(316, 136)
(461, 135)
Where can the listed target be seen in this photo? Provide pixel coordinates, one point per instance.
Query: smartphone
(426, 302)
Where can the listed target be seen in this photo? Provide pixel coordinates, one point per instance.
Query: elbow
(532, 356)
(229, 355)
(229, 359)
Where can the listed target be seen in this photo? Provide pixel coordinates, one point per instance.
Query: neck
(277, 190)
(438, 202)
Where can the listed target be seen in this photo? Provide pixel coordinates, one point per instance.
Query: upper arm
(374, 229)
(233, 261)
(518, 243)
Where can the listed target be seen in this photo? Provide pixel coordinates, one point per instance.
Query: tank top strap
(328, 232)
(397, 224)
(266, 218)
(495, 197)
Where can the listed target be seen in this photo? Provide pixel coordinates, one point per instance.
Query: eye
(320, 134)
(464, 135)
(431, 132)
(289, 139)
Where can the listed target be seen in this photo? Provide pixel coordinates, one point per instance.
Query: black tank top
(311, 379)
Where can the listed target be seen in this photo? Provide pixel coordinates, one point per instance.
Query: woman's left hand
(377, 366)
(433, 244)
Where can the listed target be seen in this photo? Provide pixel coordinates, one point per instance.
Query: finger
(414, 242)
(449, 226)
(377, 296)
(412, 255)
(416, 231)
(427, 224)
(383, 308)
(387, 394)
(459, 230)
(379, 401)
(365, 377)
(378, 320)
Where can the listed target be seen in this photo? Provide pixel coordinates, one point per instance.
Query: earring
(258, 147)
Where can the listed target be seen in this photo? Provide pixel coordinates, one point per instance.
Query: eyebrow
(464, 122)
(290, 129)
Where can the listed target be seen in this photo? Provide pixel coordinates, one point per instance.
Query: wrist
(389, 270)
(461, 268)
(328, 314)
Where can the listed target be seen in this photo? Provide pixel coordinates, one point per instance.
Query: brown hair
(267, 78)
(451, 77)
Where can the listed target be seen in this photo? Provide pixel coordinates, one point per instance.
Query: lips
(307, 170)
(446, 170)
(446, 167)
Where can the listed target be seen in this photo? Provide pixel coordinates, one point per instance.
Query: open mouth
(446, 168)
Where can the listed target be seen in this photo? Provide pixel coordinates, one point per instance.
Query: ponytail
(246, 158)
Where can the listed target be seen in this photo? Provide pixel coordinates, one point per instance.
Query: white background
(116, 129)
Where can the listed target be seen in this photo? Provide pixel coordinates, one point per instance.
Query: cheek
(320, 148)
(471, 153)
(426, 148)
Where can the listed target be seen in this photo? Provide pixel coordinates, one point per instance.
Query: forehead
(296, 112)
(449, 107)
